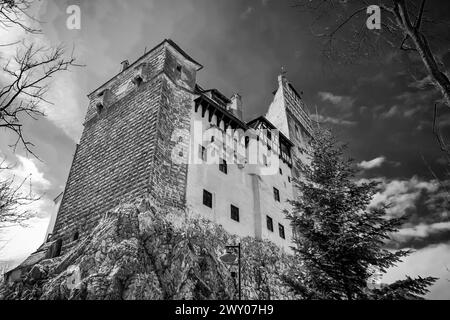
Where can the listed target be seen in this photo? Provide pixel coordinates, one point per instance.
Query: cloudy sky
(380, 107)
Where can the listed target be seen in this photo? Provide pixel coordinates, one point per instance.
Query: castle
(152, 130)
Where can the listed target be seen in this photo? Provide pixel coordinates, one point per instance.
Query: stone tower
(288, 113)
(125, 149)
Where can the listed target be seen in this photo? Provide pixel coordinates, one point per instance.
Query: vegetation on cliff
(144, 252)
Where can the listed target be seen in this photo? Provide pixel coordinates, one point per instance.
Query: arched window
(137, 81)
(99, 108)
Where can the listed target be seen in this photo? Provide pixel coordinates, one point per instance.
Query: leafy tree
(338, 236)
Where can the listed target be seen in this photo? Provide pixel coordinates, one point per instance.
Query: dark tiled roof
(188, 57)
(259, 119)
(222, 109)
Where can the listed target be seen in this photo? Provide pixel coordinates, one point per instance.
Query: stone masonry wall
(125, 151)
(168, 179)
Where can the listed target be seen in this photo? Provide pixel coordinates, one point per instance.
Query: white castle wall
(251, 193)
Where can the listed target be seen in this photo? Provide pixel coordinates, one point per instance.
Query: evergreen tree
(339, 238)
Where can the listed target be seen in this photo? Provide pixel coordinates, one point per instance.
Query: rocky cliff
(144, 252)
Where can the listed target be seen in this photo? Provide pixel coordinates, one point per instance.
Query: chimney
(125, 64)
(281, 79)
(235, 106)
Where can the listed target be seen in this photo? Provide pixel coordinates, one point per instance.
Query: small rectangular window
(269, 223)
(99, 108)
(207, 198)
(297, 132)
(269, 134)
(247, 141)
(281, 171)
(281, 231)
(223, 166)
(235, 213)
(265, 160)
(276, 194)
(202, 152)
(289, 179)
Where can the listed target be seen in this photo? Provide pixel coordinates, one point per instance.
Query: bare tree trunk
(423, 48)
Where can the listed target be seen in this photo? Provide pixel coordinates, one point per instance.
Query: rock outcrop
(144, 252)
(135, 252)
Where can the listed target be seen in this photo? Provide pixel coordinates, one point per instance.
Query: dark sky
(381, 106)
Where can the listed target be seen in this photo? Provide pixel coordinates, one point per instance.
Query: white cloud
(406, 98)
(65, 112)
(394, 110)
(26, 169)
(401, 194)
(248, 11)
(22, 241)
(42, 208)
(328, 96)
(326, 119)
(374, 163)
(344, 102)
(422, 230)
(410, 112)
(430, 261)
(421, 83)
(409, 98)
(16, 242)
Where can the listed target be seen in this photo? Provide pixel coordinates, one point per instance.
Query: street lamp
(230, 258)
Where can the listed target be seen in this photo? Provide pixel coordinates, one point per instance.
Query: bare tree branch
(15, 13)
(29, 73)
(422, 46)
(419, 17)
(438, 135)
(13, 198)
(396, 19)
